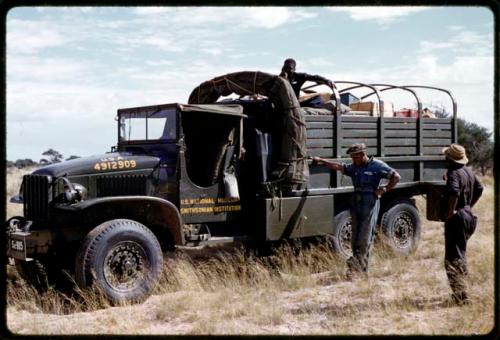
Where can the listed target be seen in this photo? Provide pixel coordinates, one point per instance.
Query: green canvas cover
(294, 168)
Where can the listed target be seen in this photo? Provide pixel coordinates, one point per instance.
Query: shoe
(352, 275)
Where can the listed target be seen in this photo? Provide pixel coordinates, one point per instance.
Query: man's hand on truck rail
(331, 165)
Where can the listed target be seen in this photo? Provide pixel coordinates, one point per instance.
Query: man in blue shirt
(366, 174)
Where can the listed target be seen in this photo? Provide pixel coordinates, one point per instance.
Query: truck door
(210, 150)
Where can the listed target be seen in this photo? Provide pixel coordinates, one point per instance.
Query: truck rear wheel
(401, 228)
(122, 258)
(340, 239)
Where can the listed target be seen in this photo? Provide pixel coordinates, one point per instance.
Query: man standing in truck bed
(366, 174)
(298, 79)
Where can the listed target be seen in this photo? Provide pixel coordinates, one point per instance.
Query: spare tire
(122, 258)
(401, 227)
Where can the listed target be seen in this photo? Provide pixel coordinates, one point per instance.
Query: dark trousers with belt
(457, 231)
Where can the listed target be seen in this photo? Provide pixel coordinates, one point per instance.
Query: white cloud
(152, 10)
(271, 17)
(28, 37)
(37, 69)
(260, 17)
(381, 14)
(429, 46)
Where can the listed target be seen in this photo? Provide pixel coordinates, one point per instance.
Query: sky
(70, 68)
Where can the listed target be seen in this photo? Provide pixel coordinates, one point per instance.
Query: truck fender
(154, 210)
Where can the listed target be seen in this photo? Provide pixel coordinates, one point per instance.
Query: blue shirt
(366, 178)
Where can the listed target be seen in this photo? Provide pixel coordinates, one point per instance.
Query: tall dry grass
(292, 292)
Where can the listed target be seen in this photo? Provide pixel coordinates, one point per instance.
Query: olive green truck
(188, 175)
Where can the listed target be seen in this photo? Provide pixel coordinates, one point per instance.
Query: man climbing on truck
(298, 79)
(366, 174)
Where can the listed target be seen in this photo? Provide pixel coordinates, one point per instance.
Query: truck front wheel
(122, 258)
(401, 227)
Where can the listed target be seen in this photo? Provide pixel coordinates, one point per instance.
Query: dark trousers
(364, 213)
(457, 231)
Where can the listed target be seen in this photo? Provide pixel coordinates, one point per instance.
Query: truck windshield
(148, 124)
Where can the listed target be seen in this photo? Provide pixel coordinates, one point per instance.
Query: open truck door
(210, 147)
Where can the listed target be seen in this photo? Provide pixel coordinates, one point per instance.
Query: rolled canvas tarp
(293, 143)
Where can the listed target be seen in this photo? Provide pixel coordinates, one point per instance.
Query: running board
(217, 240)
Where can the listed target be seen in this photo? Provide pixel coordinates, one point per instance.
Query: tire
(122, 258)
(401, 228)
(340, 239)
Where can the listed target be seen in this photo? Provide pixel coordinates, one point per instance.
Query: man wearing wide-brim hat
(463, 190)
(366, 173)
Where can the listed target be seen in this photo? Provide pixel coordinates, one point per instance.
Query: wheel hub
(345, 238)
(125, 266)
(403, 230)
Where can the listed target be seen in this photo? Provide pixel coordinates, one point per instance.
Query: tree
(474, 138)
(54, 156)
(477, 141)
(23, 163)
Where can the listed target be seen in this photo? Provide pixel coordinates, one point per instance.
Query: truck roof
(224, 109)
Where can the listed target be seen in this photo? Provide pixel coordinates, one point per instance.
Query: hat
(356, 148)
(456, 153)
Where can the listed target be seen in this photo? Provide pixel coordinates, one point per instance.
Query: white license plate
(17, 245)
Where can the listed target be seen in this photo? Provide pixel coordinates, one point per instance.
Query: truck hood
(105, 163)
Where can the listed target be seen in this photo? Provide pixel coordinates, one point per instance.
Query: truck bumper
(17, 245)
(24, 246)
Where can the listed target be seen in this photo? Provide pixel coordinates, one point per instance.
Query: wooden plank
(319, 133)
(368, 141)
(437, 126)
(438, 120)
(433, 150)
(400, 126)
(437, 141)
(436, 134)
(357, 119)
(401, 142)
(311, 118)
(400, 134)
(400, 120)
(359, 125)
(323, 152)
(400, 150)
(319, 125)
(359, 133)
(319, 143)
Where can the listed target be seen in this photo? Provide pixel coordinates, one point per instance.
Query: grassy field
(228, 291)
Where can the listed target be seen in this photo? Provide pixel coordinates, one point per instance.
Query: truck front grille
(37, 194)
(121, 185)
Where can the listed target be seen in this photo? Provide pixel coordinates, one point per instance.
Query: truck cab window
(148, 125)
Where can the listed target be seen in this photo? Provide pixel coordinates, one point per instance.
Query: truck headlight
(81, 192)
